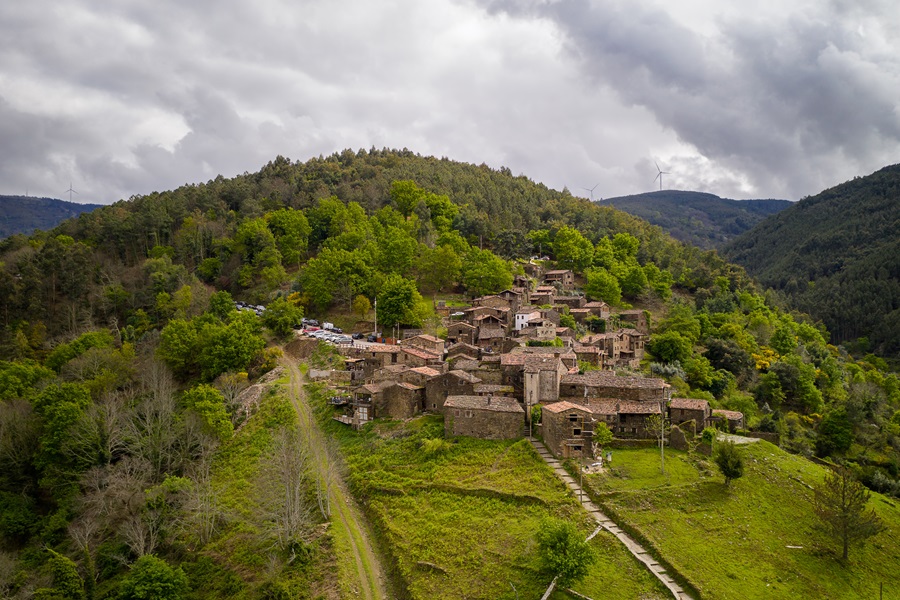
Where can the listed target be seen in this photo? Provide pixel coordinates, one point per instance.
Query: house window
(469, 413)
(576, 448)
(573, 417)
(363, 413)
(434, 405)
(633, 430)
(576, 431)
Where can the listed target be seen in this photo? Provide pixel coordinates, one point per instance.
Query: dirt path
(346, 519)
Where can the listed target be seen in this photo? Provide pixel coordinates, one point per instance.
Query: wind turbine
(591, 190)
(659, 175)
(70, 191)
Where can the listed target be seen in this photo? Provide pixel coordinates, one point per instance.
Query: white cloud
(763, 101)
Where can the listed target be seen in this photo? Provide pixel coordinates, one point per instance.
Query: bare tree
(287, 511)
(153, 431)
(231, 385)
(202, 508)
(100, 436)
(659, 426)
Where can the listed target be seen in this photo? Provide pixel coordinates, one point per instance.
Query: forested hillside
(137, 442)
(24, 214)
(836, 256)
(704, 220)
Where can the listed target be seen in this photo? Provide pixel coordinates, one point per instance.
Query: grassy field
(756, 539)
(459, 516)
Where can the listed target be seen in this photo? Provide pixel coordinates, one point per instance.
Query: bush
(564, 552)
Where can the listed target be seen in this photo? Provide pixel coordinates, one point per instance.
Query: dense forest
(836, 256)
(25, 214)
(704, 220)
(126, 454)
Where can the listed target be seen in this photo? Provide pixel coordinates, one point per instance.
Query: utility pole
(375, 333)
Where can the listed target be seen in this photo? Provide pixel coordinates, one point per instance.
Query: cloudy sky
(769, 99)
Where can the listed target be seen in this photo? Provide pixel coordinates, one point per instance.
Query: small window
(434, 405)
(576, 431)
(469, 413)
(573, 417)
(576, 448)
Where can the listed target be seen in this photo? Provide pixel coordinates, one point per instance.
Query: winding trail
(605, 522)
(345, 515)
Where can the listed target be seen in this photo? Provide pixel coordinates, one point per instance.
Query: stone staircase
(636, 549)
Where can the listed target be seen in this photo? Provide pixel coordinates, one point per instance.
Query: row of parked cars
(259, 309)
(329, 336)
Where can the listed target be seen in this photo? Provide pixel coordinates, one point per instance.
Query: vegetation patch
(461, 522)
(757, 538)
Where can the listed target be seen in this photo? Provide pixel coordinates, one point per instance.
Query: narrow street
(349, 527)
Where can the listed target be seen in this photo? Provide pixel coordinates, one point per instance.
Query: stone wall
(484, 424)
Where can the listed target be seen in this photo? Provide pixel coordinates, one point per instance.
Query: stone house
(462, 333)
(568, 429)
(637, 319)
(693, 413)
(491, 339)
(588, 354)
(580, 314)
(525, 315)
(420, 375)
(463, 349)
(735, 419)
(515, 297)
(541, 375)
(569, 301)
(426, 342)
(486, 417)
(385, 399)
(598, 309)
(606, 384)
(633, 418)
(415, 357)
(493, 389)
(562, 277)
(493, 301)
(452, 383)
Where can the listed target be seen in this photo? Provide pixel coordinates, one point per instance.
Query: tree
(208, 404)
(835, 433)
(66, 581)
(572, 250)
(564, 552)
(729, 460)
(152, 578)
(602, 285)
(602, 436)
(361, 306)
(483, 272)
(840, 503)
(281, 315)
(397, 301)
(670, 346)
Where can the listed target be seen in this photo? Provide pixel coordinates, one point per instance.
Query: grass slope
(734, 543)
(458, 517)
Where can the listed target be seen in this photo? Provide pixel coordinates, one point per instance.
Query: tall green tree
(602, 285)
(152, 578)
(729, 460)
(397, 302)
(483, 272)
(840, 503)
(572, 250)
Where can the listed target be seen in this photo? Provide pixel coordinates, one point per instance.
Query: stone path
(636, 549)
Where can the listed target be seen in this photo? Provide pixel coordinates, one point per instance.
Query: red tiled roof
(558, 407)
(689, 404)
(426, 371)
(731, 415)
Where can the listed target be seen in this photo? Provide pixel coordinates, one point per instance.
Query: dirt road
(360, 570)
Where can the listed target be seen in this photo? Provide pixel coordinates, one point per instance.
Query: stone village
(485, 378)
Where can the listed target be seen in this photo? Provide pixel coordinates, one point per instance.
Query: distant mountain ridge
(701, 219)
(837, 256)
(24, 214)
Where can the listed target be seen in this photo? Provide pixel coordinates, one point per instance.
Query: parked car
(358, 336)
(313, 322)
(373, 337)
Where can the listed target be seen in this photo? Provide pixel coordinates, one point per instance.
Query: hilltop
(704, 220)
(836, 256)
(143, 411)
(25, 214)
